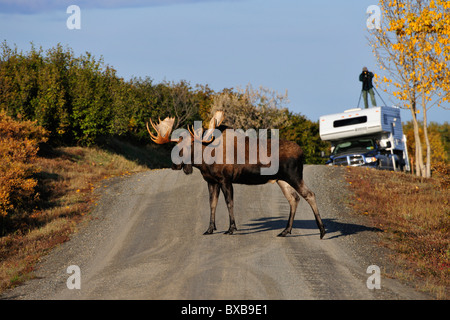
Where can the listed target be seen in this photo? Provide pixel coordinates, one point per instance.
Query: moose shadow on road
(333, 227)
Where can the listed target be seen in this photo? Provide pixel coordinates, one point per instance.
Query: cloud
(39, 6)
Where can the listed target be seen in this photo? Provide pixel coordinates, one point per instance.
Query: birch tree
(412, 45)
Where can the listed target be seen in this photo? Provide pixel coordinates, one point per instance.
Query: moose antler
(197, 135)
(163, 130)
(215, 121)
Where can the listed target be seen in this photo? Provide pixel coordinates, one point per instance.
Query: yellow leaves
(439, 153)
(18, 150)
(396, 4)
(416, 48)
(387, 80)
(396, 25)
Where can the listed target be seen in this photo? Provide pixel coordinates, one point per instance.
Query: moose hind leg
(293, 199)
(310, 197)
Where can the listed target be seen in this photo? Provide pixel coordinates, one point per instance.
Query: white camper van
(366, 137)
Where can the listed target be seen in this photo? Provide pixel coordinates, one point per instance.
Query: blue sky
(313, 49)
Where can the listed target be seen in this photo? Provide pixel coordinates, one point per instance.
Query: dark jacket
(366, 78)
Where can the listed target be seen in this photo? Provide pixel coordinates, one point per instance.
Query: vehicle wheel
(379, 165)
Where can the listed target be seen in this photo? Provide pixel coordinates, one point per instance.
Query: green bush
(81, 99)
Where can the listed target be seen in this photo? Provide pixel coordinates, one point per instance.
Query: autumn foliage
(439, 139)
(18, 149)
(413, 46)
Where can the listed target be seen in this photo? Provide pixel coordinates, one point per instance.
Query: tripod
(375, 89)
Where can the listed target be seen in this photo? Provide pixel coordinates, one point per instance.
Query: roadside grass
(414, 215)
(67, 179)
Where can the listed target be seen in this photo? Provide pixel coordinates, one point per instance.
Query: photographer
(367, 87)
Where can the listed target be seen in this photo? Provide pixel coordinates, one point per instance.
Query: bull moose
(221, 176)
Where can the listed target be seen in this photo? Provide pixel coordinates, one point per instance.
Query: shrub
(18, 149)
(250, 108)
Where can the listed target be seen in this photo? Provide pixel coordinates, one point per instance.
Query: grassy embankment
(66, 180)
(414, 215)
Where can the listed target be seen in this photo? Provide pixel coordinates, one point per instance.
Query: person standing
(367, 87)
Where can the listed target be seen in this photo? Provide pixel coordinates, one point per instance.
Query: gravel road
(146, 241)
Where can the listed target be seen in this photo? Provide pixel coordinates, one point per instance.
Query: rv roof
(354, 109)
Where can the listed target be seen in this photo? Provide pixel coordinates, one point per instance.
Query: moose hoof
(322, 233)
(211, 229)
(284, 233)
(231, 230)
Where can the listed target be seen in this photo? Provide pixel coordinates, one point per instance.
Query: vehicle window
(355, 145)
(349, 121)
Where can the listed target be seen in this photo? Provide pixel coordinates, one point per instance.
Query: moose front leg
(227, 189)
(214, 190)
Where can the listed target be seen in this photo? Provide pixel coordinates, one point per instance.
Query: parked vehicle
(366, 137)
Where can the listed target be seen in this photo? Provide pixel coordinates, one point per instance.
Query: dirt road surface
(146, 241)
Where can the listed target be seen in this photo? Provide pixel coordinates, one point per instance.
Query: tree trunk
(420, 170)
(427, 140)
